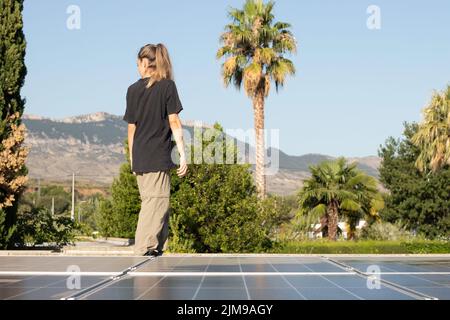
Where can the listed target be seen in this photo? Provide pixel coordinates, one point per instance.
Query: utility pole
(53, 206)
(39, 188)
(72, 214)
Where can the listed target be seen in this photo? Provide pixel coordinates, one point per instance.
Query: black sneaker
(154, 253)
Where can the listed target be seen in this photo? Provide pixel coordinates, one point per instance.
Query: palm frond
(282, 25)
(284, 42)
(267, 15)
(236, 15)
(361, 180)
(252, 76)
(376, 204)
(224, 51)
(264, 56)
(238, 78)
(279, 70)
(318, 210)
(350, 205)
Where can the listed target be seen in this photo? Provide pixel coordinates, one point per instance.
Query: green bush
(384, 231)
(215, 209)
(38, 226)
(362, 247)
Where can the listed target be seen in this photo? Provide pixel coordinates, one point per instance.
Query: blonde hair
(160, 65)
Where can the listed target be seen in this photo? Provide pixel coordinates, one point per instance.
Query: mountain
(92, 146)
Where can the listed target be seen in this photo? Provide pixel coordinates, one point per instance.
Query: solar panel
(222, 277)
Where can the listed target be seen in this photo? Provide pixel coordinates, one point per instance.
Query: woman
(152, 115)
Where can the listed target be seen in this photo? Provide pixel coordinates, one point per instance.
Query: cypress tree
(12, 76)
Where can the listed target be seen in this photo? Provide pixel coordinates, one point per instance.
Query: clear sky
(354, 86)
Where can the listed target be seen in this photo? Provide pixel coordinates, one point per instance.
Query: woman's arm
(131, 131)
(177, 131)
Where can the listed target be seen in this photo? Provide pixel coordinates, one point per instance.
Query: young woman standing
(152, 115)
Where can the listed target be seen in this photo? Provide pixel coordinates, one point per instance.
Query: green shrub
(362, 247)
(384, 231)
(104, 218)
(38, 226)
(215, 209)
(419, 247)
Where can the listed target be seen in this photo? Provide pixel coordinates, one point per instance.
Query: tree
(421, 201)
(86, 213)
(337, 188)
(254, 47)
(12, 75)
(104, 219)
(433, 134)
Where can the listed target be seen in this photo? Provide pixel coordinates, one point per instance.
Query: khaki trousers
(153, 224)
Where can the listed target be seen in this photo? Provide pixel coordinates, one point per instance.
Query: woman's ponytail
(160, 65)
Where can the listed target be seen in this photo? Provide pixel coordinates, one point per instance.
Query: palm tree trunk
(258, 112)
(332, 212)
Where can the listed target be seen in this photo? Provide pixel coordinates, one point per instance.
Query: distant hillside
(302, 163)
(92, 146)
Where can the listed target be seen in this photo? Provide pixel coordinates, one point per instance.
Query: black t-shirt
(149, 109)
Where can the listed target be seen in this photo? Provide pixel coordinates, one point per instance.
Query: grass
(363, 247)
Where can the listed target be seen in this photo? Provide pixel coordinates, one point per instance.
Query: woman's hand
(131, 164)
(182, 170)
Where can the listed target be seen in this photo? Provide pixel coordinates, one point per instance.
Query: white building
(341, 225)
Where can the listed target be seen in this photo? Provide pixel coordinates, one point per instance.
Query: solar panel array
(237, 277)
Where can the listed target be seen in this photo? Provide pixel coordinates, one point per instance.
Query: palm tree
(337, 188)
(254, 48)
(433, 134)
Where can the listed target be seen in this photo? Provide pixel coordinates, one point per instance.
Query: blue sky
(354, 87)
